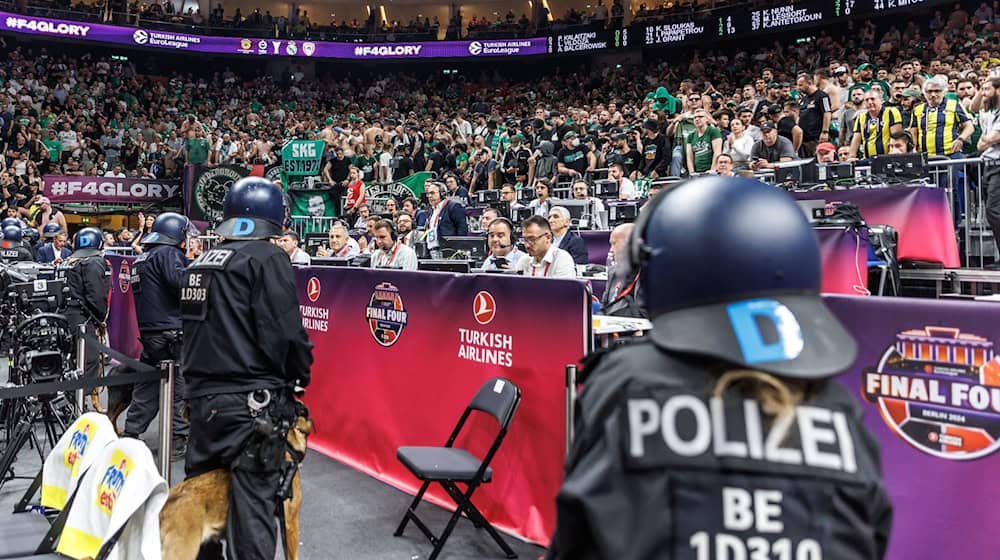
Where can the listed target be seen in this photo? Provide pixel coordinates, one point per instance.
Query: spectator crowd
(851, 93)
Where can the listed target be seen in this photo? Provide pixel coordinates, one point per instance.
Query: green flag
(416, 182)
(310, 207)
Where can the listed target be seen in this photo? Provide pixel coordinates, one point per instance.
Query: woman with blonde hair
(725, 435)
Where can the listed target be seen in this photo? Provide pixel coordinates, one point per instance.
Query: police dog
(197, 508)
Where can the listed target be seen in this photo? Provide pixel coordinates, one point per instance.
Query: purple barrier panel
(929, 381)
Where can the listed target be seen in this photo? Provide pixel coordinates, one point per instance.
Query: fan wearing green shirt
(54, 146)
(196, 147)
(703, 145)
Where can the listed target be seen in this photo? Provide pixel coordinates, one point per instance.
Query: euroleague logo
(475, 48)
(385, 314)
(938, 389)
(484, 308)
(124, 277)
(140, 37)
(313, 289)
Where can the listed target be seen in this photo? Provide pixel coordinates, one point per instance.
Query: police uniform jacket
(156, 283)
(88, 279)
(242, 328)
(660, 470)
(17, 253)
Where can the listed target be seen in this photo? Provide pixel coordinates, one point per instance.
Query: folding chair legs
(411, 511)
(464, 505)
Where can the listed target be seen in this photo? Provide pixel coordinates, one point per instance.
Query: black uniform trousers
(222, 429)
(76, 317)
(992, 179)
(157, 346)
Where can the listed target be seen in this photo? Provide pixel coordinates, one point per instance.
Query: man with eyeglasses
(703, 145)
(508, 195)
(547, 260)
(940, 127)
(341, 244)
(874, 127)
(404, 228)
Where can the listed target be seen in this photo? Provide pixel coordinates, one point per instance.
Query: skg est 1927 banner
(62, 189)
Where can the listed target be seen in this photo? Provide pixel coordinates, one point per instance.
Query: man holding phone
(503, 254)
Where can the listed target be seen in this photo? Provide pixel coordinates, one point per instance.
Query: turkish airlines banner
(399, 355)
(109, 190)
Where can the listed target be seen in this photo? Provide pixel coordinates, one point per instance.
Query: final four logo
(124, 276)
(939, 390)
(386, 314)
(113, 481)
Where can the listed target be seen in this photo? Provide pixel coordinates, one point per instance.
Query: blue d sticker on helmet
(84, 241)
(743, 316)
(153, 237)
(243, 226)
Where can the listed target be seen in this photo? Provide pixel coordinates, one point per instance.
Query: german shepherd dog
(197, 508)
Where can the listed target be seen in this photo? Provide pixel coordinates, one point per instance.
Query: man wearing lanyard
(547, 261)
(989, 144)
(391, 253)
(622, 296)
(447, 219)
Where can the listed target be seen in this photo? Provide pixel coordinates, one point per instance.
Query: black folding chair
(450, 465)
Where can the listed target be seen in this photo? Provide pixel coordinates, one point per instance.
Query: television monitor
(526, 194)
(313, 241)
(487, 196)
(444, 265)
(331, 261)
(623, 213)
(521, 214)
(606, 188)
(905, 166)
(472, 247)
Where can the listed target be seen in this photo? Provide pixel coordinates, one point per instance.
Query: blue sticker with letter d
(744, 317)
(243, 226)
(84, 241)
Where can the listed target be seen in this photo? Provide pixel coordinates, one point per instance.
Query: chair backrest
(497, 397)
(72, 455)
(122, 489)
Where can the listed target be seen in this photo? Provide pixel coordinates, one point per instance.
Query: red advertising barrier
(399, 356)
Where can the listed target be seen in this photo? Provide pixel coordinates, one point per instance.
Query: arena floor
(345, 514)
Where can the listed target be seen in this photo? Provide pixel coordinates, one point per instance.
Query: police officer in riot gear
(12, 248)
(245, 351)
(156, 285)
(88, 279)
(724, 436)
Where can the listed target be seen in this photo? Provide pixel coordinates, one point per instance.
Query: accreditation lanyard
(392, 257)
(545, 272)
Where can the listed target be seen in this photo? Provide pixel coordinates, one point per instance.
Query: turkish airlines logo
(313, 289)
(484, 308)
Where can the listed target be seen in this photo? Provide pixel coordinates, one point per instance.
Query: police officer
(156, 285)
(88, 279)
(725, 435)
(244, 352)
(55, 249)
(30, 239)
(12, 248)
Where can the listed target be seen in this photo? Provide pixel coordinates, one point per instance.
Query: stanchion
(166, 415)
(570, 405)
(81, 364)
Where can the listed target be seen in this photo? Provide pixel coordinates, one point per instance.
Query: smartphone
(500, 261)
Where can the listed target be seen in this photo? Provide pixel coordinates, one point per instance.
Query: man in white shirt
(546, 260)
(116, 172)
(289, 243)
(390, 253)
(581, 191)
(504, 254)
(341, 244)
(626, 188)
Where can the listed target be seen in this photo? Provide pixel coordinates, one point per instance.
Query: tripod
(21, 417)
